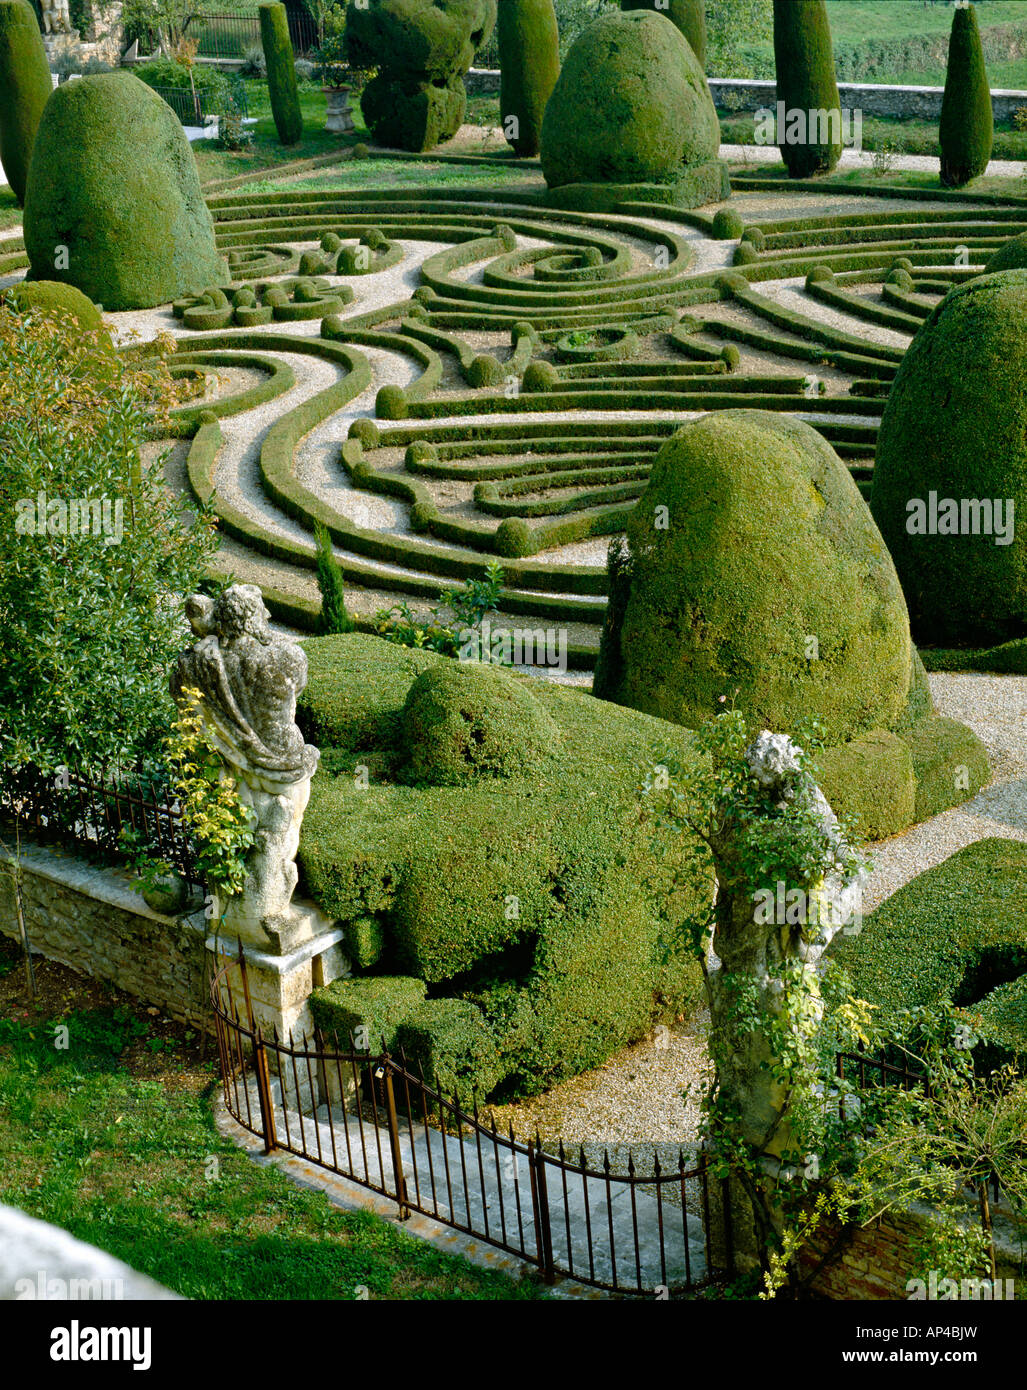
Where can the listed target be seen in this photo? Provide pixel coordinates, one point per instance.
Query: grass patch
(902, 136)
(10, 212)
(399, 173)
(1014, 189)
(113, 1138)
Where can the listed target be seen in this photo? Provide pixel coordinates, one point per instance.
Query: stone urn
(167, 894)
(340, 118)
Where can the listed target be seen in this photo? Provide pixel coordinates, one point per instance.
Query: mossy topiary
(421, 49)
(631, 107)
(953, 429)
(114, 204)
(1011, 256)
(753, 571)
(540, 376)
(462, 721)
(727, 225)
(366, 1013)
(281, 72)
(966, 130)
(688, 15)
(450, 1043)
(529, 63)
(957, 932)
(50, 296)
(514, 539)
(391, 403)
(804, 64)
(750, 541)
(539, 897)
(367, 432)
(26, 86)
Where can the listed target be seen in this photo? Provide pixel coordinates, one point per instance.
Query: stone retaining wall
(94, 921)
(738, 95)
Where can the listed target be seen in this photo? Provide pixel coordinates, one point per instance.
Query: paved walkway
(488, 1190)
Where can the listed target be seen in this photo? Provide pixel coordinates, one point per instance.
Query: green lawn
(10, 212)
(905, 137)
(896, 178)
(853, 21)
(113, 1138)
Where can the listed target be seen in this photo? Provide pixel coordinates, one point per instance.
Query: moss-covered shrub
(1011, 256)
(966, 130)
(954, 428)
(804, 64)
(448, 1041)
(537, 896)
(50, 296)
(113, 181)
(529, 61)
(281, 72)
(422, 48)
(26, 86)
(688, 15)
(712, 599)
(727, 225)
(462, 721)
(376, 1003)
(957, 932)
(631, 107)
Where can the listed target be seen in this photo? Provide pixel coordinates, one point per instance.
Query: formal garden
(514, 649)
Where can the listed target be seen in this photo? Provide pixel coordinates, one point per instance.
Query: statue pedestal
(62, 45)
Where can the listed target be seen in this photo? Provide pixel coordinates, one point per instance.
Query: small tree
(334, 617)
(94, 551)
(529, 59)
(281, 73)
(806, 84)
(25, 86)
(967, 128)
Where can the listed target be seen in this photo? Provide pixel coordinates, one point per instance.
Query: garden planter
(340, 117)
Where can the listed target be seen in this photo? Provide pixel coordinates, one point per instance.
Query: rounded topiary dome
(630, 106)
(433, 37)
(50, 296)
(953, 441)
(754, 570)
(462, 721)
(113, 204)
(1012, 255)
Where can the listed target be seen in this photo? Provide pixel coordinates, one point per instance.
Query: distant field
(906, 41)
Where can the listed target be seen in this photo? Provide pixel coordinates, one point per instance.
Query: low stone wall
(94, 921)
(740, 96)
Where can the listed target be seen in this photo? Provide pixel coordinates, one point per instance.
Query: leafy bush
(91, 622)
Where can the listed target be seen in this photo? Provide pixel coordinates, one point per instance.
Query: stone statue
(249, 679)
(56, 17)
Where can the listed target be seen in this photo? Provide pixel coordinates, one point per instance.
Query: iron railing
(373, 1119)
(231, 36)
(92, 815)
(192, 109)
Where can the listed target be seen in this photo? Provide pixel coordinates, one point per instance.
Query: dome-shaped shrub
(688, 15)
(631, 106)
(114, 204)
(955, 429)
(462, 721)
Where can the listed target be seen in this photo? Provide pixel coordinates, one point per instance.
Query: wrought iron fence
(862, 1070)
(376, 1121)
(193, 109)
(230, 36)
(92, 815)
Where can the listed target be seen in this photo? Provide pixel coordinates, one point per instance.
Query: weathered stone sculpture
(249, 679)
(56, 17)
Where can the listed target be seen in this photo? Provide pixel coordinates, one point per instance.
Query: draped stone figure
(249, 679)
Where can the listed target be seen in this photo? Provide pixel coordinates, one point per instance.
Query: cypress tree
(529, 57)
(967, 128)
(688, 15)
(334, 617)
(281, 73)
(25, 87)
(804, 63)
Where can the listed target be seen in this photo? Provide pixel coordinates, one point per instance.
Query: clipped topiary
(281, 72)
(462, 721)
(753, 571)
(631, 107)
(1011, 256)
(966, 130)
(113, 205)
(727, 225)
(804, 64)
(333, 616)
(688, 15)
(529, 62)
(421, 48)
(25, 87)
(50, 296)
(950, 477)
